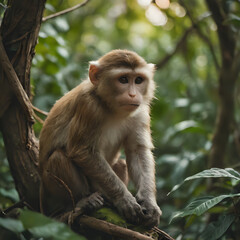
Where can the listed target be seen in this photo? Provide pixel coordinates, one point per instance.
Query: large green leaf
(211, 173)
(216, 229)
(201, 205)
(216, 173)
(189, 126)
(12, 224)
(10, 193)
(41, 226)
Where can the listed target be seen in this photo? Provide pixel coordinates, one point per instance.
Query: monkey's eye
(123, 80)
(139, 80)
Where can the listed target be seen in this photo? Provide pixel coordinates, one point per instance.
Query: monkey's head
(123, 80)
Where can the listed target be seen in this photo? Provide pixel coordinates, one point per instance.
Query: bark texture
(228, 75)
(18, 35)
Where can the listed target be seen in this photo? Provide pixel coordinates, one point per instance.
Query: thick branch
(228, 75)
(112, 229)
(15, 83)
(225, 33)
(19, 32)
(65, 11)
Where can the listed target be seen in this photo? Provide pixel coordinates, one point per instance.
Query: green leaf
(188, 126)
(41, 226)
(233, 172)
(201, 205)
(62, 24)
(216, 229)
(216, 173)
(185, 125)
(233, 19)
(12, 225)
(181, 102)
(11, 193)
(211, 173)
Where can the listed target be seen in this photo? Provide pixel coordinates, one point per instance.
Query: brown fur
(82, 136)
(120, 58)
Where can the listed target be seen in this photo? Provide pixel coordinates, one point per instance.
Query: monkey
(81, 140)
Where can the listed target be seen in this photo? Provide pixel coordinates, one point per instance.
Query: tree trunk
(19, 33)
(228, 74)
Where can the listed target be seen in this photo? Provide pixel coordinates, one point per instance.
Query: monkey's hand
(93, 202)
(151, 212)
(129, 208)
(85, 205)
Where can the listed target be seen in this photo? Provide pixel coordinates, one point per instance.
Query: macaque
(83, 135)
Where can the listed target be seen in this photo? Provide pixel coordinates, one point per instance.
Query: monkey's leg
(120, 168)
(93, 202)
(62, 186)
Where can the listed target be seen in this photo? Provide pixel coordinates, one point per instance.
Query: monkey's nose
(132, 95)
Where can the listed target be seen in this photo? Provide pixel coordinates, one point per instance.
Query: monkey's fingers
(133, 213)
(150, 221)
(151, 218)
(70, 219)
(95, 201)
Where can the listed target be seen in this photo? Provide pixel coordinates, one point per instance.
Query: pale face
(124, 89)
(130, 87)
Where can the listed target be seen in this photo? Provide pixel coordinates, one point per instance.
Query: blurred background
(182, 39)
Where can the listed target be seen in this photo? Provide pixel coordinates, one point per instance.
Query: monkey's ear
(152, 66)
(93, 69)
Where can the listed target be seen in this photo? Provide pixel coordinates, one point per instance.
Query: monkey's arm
(142, 172)
(96, 168)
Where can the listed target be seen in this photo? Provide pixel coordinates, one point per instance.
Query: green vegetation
(185, 46)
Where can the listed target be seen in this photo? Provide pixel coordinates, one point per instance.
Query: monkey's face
(123, 80)
(130, 88)
(124, 89)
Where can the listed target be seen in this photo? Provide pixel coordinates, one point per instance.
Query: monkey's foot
(93, 202)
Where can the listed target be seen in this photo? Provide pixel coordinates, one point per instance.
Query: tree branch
(112, 229)
(202, 35)
(65, 11)
(178, 46)
(40, 111)
(15, 83)
(38, 118)
(228, 75)
(16, 122)
(225, 33)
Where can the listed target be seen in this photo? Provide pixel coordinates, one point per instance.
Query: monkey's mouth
(130, 106)
(134, 104)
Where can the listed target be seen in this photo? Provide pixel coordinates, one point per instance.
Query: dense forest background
(195, 116)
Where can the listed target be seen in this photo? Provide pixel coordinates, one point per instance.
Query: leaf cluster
(32, 225)
(225, 206)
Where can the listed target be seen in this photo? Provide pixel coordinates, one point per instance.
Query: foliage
(183, 113)
(109, 215)
(34, 225)
(224, 204)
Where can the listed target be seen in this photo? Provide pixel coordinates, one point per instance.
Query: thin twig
(66, 187)
(40, 111)
(178, 46)
(38, 118)
(65, 11)
(19, 204)
(162, 233)
(17, 39)
(205, 38)
(15, 83)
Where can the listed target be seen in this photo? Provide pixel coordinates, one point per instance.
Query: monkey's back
(55, 131)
